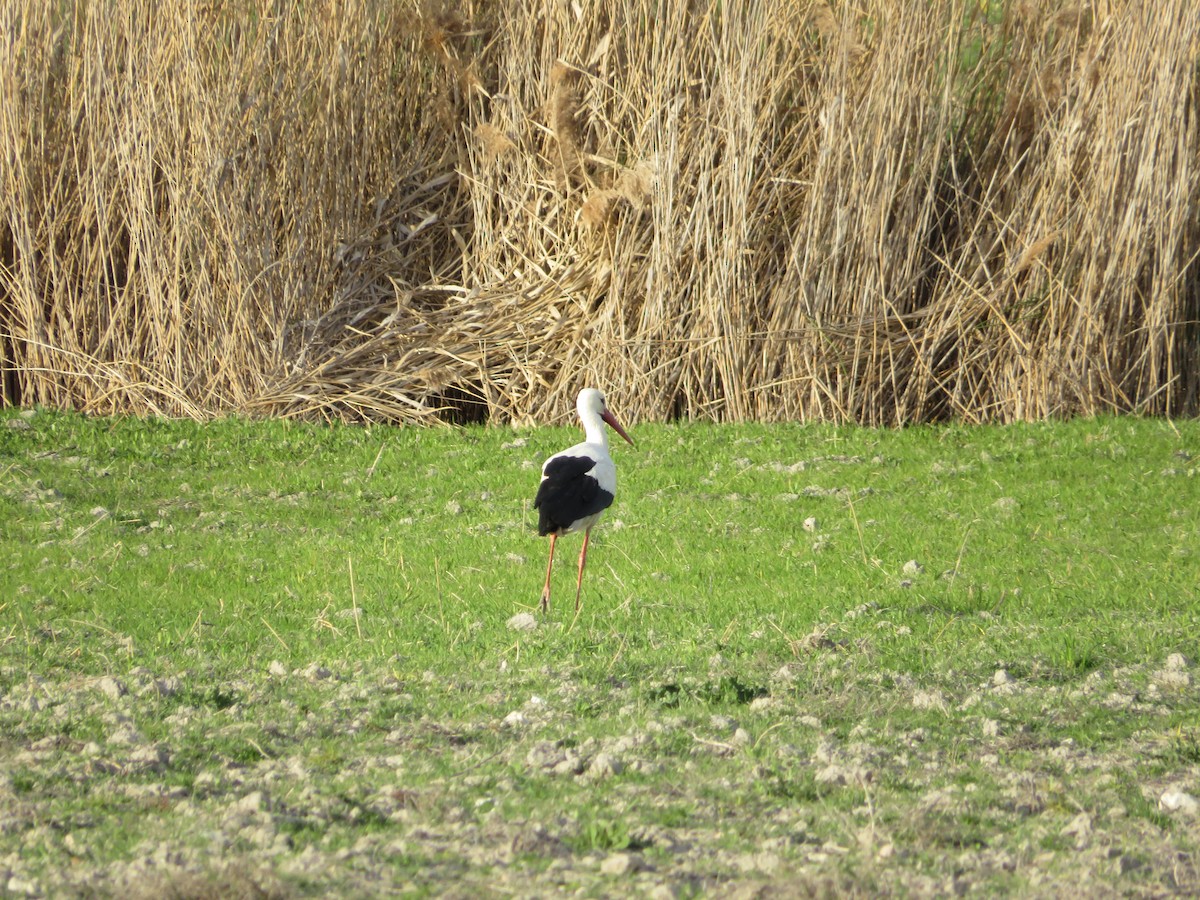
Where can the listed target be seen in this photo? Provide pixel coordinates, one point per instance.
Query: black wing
(568, 493)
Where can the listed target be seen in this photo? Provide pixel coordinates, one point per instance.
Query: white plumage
(578, 484)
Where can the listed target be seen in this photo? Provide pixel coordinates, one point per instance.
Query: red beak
(616, 426)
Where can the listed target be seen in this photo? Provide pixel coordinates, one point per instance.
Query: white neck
(593, 428)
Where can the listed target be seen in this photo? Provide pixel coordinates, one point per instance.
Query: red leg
(549, 566)
(582, 559)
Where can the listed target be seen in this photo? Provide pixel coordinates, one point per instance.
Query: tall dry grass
(881, 212)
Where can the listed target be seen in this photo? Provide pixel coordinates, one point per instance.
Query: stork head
(591, 406)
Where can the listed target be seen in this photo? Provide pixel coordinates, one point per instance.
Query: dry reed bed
(884, 212)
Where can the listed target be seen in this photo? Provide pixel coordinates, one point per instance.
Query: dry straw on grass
(883, 213)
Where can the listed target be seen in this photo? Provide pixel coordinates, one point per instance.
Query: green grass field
(261, 656)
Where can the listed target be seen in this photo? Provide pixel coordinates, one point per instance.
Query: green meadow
(279, 659)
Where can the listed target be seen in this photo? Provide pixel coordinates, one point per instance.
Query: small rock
(125, 736)
(741, 737)
(150, 758)
(1177, 662)
(827, 750)
(722, 723)
(1003, 683)
(453, 508)
(316, 672)
(251, 803)
(16, 885)
(1181, 802)
(111, 687)
(991, 728)
(810, 524)
(1079, 828)
(260, 836)
(618, 864)
(523, 622)
(765, 862)
(605, 765)
(912, 567)
(785, 674)
(1117, 700)
(929, 700)
(1172, 678)
(628, 742)
(833, 774)
(818, 639)
(277, 669)
(515, 719)
(545, 755)
(571, 764)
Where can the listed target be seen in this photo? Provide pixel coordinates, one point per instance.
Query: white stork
(578, 484)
